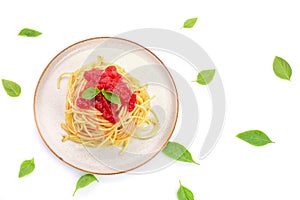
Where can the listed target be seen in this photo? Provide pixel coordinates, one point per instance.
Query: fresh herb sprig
(282, 68)
(84, 181)
(26, 167)
(255, 137)
(11, 88)
(205, 76)
(28, 32)
(178, 152)
(184, 193)
(190, 23)
(92, 92)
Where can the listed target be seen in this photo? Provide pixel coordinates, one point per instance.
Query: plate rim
(91, 171)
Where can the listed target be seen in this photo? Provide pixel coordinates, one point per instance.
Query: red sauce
(83, 103)
(112, 81)
(93, 74)
(131, 103)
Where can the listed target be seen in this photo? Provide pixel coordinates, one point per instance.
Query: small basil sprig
(254, 137)
(90, 93)
(27, 32)
(189, 23)
(184, 193)
(205, 76)
(26, 167)
(111, 97)
(11, 88)
(84, 181)
(178, 152)
(282, 68)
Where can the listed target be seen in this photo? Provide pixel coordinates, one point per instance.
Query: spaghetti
(98, 122)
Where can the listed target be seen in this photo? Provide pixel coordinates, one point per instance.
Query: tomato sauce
(109, 80)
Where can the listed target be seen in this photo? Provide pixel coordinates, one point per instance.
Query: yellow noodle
(88, 127)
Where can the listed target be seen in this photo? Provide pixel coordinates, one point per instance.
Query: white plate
(49, 104)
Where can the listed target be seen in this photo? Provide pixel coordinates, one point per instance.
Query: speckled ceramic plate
(49, 104)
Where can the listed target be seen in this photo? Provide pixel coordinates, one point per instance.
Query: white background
(241, 37)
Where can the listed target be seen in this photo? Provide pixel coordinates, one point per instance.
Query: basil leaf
(282, 68)
(84, 181)
(178, 152)
(11, 88)
(184, 193)
(26, 167)
(111, 97)
(29, 32)
(205, 76)
(90, 93)
(255, 137)
(189, 23)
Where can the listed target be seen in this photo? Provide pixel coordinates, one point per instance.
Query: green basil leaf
(111, 97)
(205, 76)
(26, 167)
(11, 88)
(29, 32)
(184, 193)
(178, 152)
(90, 93)
(84, 181)
(282, 68)
(189, 23)
(255, 137)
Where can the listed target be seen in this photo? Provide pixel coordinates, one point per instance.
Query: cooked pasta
(98, 122)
